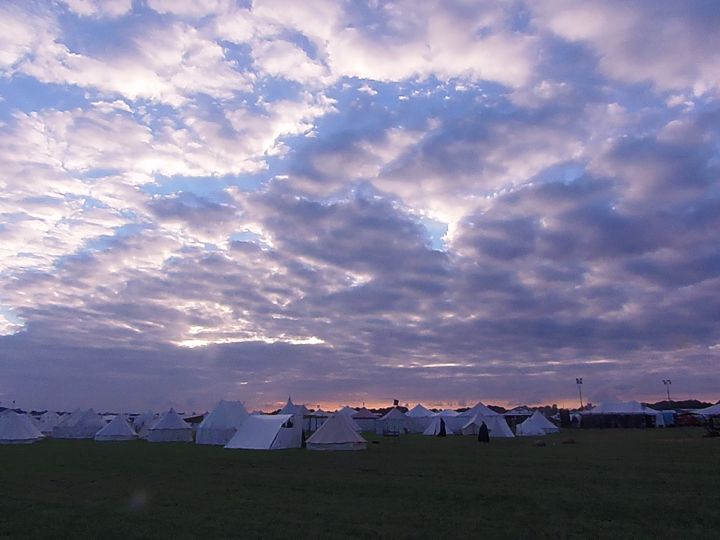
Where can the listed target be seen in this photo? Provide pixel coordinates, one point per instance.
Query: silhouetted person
(442, 432)
(483, 433)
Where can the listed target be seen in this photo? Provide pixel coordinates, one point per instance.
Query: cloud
(644, 42)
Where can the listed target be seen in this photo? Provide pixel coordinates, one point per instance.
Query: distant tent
(420, 418)
(317, 419)
(298, 411)
(143, 422)
(81, 424)
(622, 414)
(365, 418)
(119, 429)
(336, 434)
(481, 409)
(18, 429)
(47, 422)
(713, 410)
(170, 428)
(222, 423)
(418, 411)
(536, 425)
(435, 426)
(497, 426)
(393, 423)
(267, 432)
(348, 411)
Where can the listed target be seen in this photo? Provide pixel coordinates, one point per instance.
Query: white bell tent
(222, 423)
(337, 433)
(81, 424)
(17, 428)
(536, 425)
(170, 428)
(436, 425)
(497, 426)
(119, 429)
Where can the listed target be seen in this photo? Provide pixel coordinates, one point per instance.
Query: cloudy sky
(358, 201)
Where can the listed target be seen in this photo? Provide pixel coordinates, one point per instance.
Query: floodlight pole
(578, 381)
(667, 383)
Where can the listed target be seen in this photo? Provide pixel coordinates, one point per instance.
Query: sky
(357, 201)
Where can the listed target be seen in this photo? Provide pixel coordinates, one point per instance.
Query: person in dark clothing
(483, 433)
(442, 432)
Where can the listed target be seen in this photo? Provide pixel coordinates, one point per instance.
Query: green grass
(612, 483)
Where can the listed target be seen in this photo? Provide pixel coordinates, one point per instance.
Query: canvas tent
(267, 432)
(298, 411)
(17, 428)
(365, 418)
(348, 411)
(170, 428)
(222, 423)
(393, 423)
(618, 414)
(437, 423)
(536, 425)
(47, 422)
(497, 426)
(81, 424)
(336, 434)
(713, 410)
(419, 418)
(418, 411)
(119, 429)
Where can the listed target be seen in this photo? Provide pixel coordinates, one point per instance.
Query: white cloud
(99, 8)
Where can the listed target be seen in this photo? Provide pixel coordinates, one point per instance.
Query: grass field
(612, 483)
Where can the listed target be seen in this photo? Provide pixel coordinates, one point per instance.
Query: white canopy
(622, 407)
(118, 429)
(435, 426)
(713, 410)
(291, 408)
(79, 425)
(267, 432)
(18, 429)
(47, 422)
(497, 426)
(170, 428)
(337, 433)
(418, 411)
(480, 409)
(537, 424)
(222, 423)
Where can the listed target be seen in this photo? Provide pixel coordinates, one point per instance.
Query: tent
(435, 426)
(119, 429)
(447, 413)
(222, 423)
(47, 422)
(419, 418)
(268, 432)
(393, 423)
(622, 414)
(336, 434)
(347, 410)
(317, 419)
(298, 411)
(537, 424)
(81, 424)
(18, 429)
(497, 426)
(365, 418)
(481, 409)
(713, 410)
(418, 411)
(170, 428)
